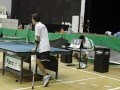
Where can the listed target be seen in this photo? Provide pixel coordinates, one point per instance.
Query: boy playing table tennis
(42, 45)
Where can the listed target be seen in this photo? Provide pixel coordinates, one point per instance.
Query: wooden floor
(69, 78)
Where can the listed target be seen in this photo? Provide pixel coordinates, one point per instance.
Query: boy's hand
(34, 50)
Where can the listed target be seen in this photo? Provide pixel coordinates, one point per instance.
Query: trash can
(101, 62)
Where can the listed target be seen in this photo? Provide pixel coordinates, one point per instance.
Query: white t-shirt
(87, 43)
(41, 31)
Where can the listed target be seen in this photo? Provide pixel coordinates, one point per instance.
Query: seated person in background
(62, 30)
(87, 46)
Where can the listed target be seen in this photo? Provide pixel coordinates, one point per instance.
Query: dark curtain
(23, 9)
(51, 11)
(105, 16)
(87, 15)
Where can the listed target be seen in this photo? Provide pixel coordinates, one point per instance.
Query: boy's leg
(41, 67)
(46, 77)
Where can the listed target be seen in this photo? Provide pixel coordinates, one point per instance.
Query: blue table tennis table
(23, 52)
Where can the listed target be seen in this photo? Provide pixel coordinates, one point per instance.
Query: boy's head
(35, 18)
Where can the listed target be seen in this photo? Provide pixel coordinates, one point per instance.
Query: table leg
(79, 60)
(21, 72)
(69, 61)
(3, 66)
(30, 65)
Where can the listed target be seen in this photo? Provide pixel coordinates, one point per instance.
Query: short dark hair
(36, 17)
(82, 37)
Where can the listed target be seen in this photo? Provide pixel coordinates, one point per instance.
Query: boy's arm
(37, 41)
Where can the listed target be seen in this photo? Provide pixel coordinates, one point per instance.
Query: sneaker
(83, 65)
(46, 80)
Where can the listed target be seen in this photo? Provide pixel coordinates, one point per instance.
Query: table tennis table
(23, 52)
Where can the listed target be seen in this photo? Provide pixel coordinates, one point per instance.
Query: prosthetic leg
(34, 71)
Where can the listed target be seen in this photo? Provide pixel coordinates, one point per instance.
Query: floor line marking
(58, 83)
(82, 83)
(118, 88)
(94, 85)
(92, 73)
(78, 80)
(107, 86)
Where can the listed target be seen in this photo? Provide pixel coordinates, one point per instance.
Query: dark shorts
(43, 55)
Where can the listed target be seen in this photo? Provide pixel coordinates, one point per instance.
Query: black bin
(101, 62)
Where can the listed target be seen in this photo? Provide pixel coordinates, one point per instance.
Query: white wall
(8, 4)
(75, 23)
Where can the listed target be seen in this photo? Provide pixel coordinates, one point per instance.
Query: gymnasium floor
(69, 78)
